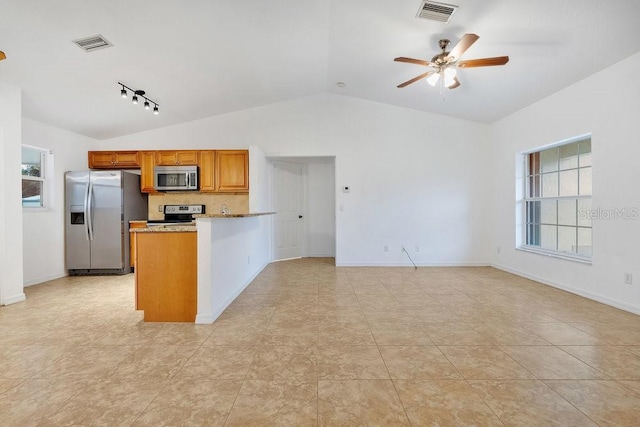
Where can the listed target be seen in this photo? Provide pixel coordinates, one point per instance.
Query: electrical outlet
(386, 248)
(628, 278)
(159, 208)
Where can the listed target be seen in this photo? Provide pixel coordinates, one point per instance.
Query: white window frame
(525, 197)
(46, 162)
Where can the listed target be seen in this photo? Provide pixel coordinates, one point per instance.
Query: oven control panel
(183, 209)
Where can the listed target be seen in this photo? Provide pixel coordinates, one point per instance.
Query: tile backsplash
(236, 203)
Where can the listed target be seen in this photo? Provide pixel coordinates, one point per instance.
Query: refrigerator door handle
(86, 210)
(90, 211)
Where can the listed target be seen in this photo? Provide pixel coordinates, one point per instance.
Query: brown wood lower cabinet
(132, 240)
(166, 276)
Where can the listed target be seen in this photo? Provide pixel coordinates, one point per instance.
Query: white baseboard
(204, 319)
(209, 318)
(435, 264)
(590, 295)
(14, 299)
(286, 259)
(40, 280)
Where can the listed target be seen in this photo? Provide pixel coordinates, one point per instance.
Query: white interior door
(289, 221)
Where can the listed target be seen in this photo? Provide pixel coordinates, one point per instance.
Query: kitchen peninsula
(192, 273)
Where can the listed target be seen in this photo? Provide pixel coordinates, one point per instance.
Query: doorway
(302, 192)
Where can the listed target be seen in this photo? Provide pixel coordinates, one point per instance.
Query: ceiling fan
(445, 63)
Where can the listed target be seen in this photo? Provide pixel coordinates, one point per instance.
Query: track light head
(123, 93)
(134, 99)
(155, 110)
(146, 105)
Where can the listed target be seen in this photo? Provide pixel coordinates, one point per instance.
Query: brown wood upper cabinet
(172, 157)
(147, 163)
(232, 171)
(206, 171)
(113, 160)
(221, 171)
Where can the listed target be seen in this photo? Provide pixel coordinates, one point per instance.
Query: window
(557, 199)
(34, 173)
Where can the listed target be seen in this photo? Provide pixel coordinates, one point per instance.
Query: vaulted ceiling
(201, 58)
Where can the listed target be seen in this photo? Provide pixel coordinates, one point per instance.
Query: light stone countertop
(165, 228)
(233, 215)
(188, 228)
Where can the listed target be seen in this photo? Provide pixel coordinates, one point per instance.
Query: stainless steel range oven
(178, 214)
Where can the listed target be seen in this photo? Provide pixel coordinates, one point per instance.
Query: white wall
(11, 287)
(43, 231)
(415, 177)
(258, 196)
(607, 105)
(231, 253)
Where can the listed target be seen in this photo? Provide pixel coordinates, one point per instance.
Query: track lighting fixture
(139, 93)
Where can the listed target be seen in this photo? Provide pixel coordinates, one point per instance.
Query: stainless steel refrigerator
(99, 206)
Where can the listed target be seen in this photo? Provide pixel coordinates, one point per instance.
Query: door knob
(299, 216)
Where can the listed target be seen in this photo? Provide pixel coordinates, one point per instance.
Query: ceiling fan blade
(483, 62)
(455, 84)
(465, 43)
(413, 61)
(2, 55)
(415, 79)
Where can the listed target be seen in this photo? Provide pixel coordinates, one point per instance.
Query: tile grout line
(244, 379)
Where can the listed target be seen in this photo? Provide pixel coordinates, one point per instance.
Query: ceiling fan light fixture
(433, 79)
(449, 76)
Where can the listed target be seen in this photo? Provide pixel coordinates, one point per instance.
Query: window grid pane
(31, 193)
(31, 162)
(33, 172)
(557, 199)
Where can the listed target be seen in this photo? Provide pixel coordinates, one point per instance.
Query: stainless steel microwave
(172, 178)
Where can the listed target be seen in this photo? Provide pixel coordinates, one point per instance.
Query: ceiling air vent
(89, 44)
(436, 11)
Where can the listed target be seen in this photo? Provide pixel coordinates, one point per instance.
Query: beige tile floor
(311, 344)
